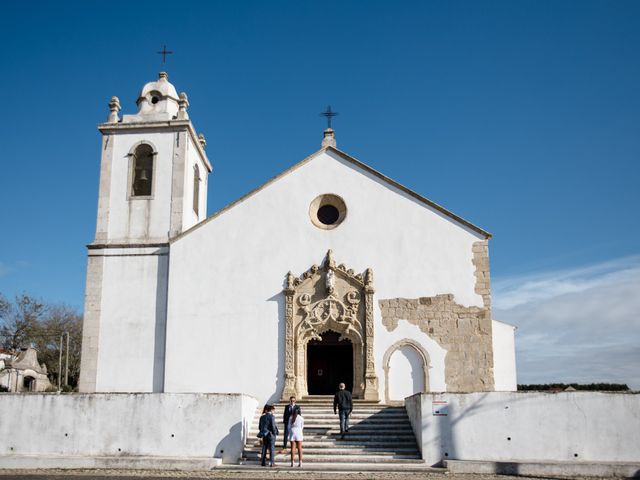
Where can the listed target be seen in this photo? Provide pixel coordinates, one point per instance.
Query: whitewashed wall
(504, 356)
(225, 306)
(132, 324)
(189, 216)
(146, 219)
(527, 426)
(180, 426)
(436, 355)
(406, 373)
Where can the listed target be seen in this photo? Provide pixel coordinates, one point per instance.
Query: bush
(591, 387)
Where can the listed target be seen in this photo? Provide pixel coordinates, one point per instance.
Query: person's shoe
(342, 437)
(292, 464)
(263, 464)
(299, 464)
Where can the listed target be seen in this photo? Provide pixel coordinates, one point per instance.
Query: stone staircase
(379, 438)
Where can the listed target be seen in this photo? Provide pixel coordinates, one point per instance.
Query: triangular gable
(356, 163)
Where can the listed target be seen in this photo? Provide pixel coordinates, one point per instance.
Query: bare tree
(20, 320)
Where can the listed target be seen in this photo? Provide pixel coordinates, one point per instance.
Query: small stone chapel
(330, 272)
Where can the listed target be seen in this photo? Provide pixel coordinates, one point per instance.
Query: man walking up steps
(343, 403)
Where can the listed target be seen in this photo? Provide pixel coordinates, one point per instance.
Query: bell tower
(153, 187)
(149, 162)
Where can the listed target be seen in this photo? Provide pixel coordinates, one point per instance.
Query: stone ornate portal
(329, 297)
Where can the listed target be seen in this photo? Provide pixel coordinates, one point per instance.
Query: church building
(330, 272)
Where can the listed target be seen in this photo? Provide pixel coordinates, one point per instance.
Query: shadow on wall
(445, 427)
(229, 449)
(279, 299)
(506, 468)
(162, 285)
(564, 404)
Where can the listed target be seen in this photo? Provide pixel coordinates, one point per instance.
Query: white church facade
(330, 272)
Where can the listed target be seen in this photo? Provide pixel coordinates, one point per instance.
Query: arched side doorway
(336, 299)
(329, 362)
(28, 384)
(406, 370)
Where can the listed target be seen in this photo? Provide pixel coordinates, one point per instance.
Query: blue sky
(521, 117)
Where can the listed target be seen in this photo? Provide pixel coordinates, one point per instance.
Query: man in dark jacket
(343, 402)
(288, 411)
(268, 430)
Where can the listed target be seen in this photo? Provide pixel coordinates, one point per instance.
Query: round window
(327, 211)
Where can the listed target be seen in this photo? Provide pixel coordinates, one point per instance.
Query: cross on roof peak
(329, 114)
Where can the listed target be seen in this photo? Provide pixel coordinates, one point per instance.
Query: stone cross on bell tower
(164, 52)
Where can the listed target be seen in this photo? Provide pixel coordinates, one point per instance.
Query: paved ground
(266, 474)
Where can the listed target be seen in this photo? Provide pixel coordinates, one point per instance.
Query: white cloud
(580, 325)
(513, 291)
(4, 269)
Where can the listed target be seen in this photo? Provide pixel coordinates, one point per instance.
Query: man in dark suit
(268, 430)
(343, 402)
(288, 411)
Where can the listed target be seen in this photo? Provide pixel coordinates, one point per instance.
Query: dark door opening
(28, 384)
(329, 362)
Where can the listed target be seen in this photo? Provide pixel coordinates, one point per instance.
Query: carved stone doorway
(329, 297)
(329, 362)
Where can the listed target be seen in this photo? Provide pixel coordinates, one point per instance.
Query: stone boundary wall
(574, 427)
(128, 425)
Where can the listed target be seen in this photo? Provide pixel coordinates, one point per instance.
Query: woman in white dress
(296, 425)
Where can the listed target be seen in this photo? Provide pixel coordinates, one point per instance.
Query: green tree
(59, 319)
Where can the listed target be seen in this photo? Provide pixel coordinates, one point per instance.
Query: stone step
(362, 439)
(329, 400)
(311, 398)
(380, 437)
(281, 457)
(362, 425)
(353, 430)
(331, 417)
(359, 423)
(408, 443)
(352, 435)
(356, 406)
(411, 452)
(360, 467)
(355, 414)
(329, 409)
(356, 427)
(328, 413)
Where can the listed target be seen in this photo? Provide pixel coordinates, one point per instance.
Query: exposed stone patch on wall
(465, 332)
(483, 280)
(91, 324)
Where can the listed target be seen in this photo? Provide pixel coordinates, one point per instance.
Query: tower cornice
(168, 125)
